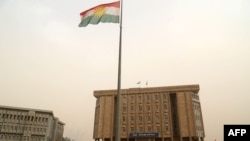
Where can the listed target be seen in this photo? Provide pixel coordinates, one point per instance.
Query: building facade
(171, 113)
(23, 124)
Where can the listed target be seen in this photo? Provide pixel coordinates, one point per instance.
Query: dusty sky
(48, 62)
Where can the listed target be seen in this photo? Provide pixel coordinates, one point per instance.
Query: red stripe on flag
(113, 4)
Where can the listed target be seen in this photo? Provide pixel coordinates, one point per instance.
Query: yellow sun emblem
(99, 11)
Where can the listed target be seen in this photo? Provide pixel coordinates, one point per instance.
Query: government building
(171, 113)
(23, 124)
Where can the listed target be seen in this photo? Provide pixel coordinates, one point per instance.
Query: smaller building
(29, 125)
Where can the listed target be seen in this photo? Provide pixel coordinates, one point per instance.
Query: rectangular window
(140, 118)
(156, 97)
(149, 129)
(156, 107)
(149, 118)
(140, 108)
(166, 128)
(148, 97)
(132, 99)
(148, 107)
(157, 117)
(123, 118)
(165, 106)
(166, 117)
(165, 96)
(132, 118)
(140, 98)
(132, 108)
(123, 129)
(124, 99)
(158, 128)
(124, 108)
(132, 129)
(140, 129)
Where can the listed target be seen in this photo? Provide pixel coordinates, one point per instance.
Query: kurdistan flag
(106, 13)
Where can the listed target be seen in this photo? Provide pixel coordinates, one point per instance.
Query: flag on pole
(105, 13)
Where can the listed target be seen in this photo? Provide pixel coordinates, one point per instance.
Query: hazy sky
(48, 62)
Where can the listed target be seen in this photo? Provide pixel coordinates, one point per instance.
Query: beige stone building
(171, 113)
(23, 124)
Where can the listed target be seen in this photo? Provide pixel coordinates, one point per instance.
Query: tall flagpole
(117, 129)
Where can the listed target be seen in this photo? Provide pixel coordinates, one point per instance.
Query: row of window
(24, 123)
(148, 129)
(11, 117)
(197, 111)
(199, 128)
(11, 128)
(148, 97)
(148, 118)
(60, 127)
(140, 107)
(195, 96)
(198, 117)
(9, 137)
(197, 107)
